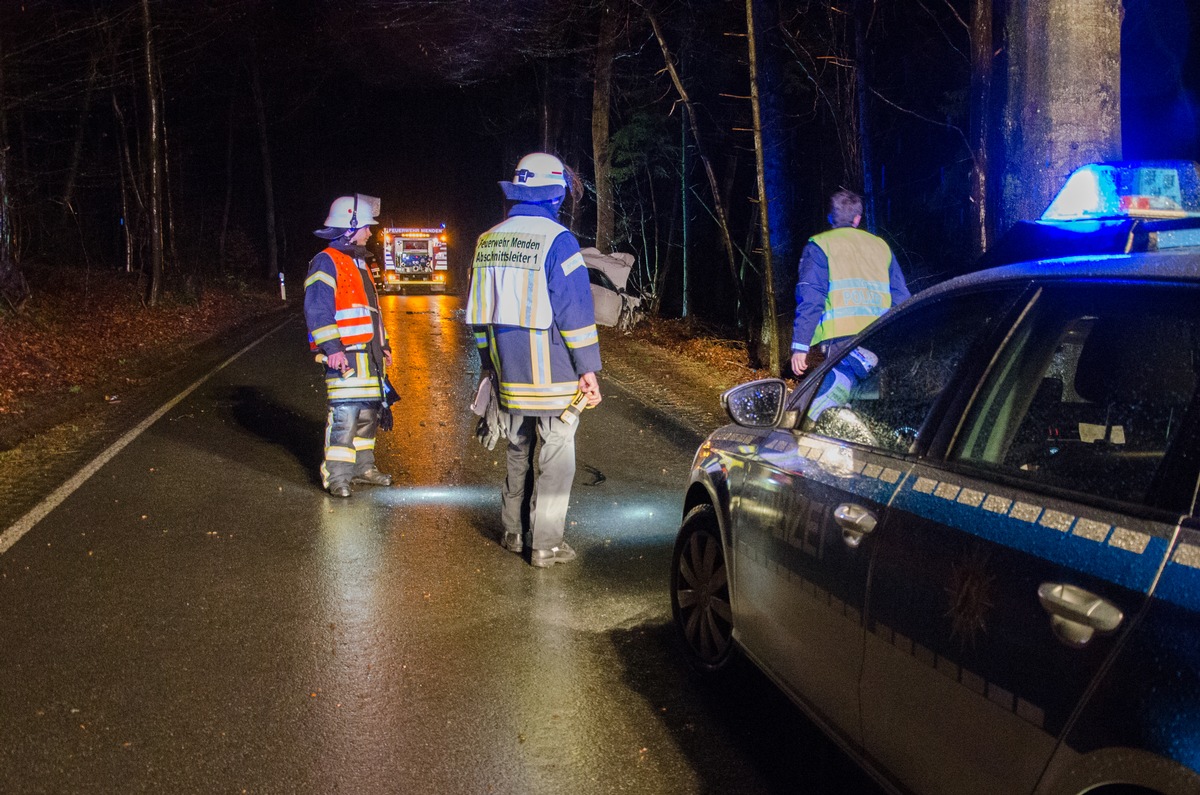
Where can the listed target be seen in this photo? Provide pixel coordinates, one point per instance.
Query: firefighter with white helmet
(341, 310)
(531, 308)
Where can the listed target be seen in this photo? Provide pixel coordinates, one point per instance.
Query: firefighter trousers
(349, 441)
(546, 491)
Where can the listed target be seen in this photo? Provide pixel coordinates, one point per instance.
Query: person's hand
(337, 361)
(799, 362)
(590, 387)
(387, 358)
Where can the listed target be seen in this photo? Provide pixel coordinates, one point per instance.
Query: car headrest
(1137, 359)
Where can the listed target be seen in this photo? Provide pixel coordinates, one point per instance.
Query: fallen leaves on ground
(82, 329)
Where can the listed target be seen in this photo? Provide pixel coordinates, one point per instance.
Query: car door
(812, 497)
(1007, 575)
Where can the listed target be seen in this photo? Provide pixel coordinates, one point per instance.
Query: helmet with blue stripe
(539, 178)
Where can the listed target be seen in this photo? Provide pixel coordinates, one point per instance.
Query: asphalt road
(198, 616)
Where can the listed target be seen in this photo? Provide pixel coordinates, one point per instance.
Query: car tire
(700, 593)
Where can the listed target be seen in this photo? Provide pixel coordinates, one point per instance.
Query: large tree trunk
(154, 145)
(1064, 98)
(770, 317)
(268, 181)
(606, 49)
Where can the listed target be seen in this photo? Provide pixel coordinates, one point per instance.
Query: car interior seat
(1138, 373)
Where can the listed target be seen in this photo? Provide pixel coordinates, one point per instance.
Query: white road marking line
(13, 533)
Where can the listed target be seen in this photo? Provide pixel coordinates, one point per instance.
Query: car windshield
(1167, 189)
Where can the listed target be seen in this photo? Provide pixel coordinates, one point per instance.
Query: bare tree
(719, 213)
(770, 330)
(154, 145)
(68, 194)
(12, 283)
(862, 13)
(606, 48)
(981, 103)
(264, 146)
(223, 234)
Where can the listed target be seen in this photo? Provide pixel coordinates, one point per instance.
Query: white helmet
(539, 177)
(539, 169)
(353, 212)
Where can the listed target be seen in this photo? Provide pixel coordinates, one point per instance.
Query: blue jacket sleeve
(900, 292)
(571, 300)
(483, 347)
(811, 289)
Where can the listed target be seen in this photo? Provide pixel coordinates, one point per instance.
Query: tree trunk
(264, 146)
(683, 212)
(154, 144)
(12, 283)
(862, 10)
(223, 235)
(168, 203)
(126, 235)
(80, 135)
(1064, 98)
(718, 204)
(981, 103)
(770, 321)
(606, 49)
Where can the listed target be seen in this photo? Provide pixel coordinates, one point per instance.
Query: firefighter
(342, 313)
(531, 308)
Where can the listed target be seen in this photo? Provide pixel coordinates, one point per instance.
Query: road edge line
(14, 532)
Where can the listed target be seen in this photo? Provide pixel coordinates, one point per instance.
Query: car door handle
(1075, 614)
(855, 521)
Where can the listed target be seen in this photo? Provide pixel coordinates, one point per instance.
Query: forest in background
(190, 142)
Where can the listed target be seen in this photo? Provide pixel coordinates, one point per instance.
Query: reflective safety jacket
(342, 314)
(530, 306)
(848, 279)
(352, 308)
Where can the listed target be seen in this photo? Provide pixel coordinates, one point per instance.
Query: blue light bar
(1162, 189)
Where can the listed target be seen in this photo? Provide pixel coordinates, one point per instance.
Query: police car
(969, 548)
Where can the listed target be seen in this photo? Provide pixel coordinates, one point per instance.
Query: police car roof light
(1129, 189)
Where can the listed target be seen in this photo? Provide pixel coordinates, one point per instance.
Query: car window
(1091, 390)
(880, 393)
(598, 278)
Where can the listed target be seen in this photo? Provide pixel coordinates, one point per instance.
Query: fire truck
(413, 257)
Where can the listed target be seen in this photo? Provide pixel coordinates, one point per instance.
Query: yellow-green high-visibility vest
(859, 281)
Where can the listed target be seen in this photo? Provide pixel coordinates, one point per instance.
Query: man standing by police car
(848, 279)
(531, 308)
(342, 314)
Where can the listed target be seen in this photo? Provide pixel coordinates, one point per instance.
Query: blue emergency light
(1151, 190)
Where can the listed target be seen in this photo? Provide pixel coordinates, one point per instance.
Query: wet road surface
(198, 616)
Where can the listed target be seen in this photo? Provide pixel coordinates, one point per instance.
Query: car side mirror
(757, 404)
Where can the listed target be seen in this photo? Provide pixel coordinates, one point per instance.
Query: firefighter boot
(373, 477)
